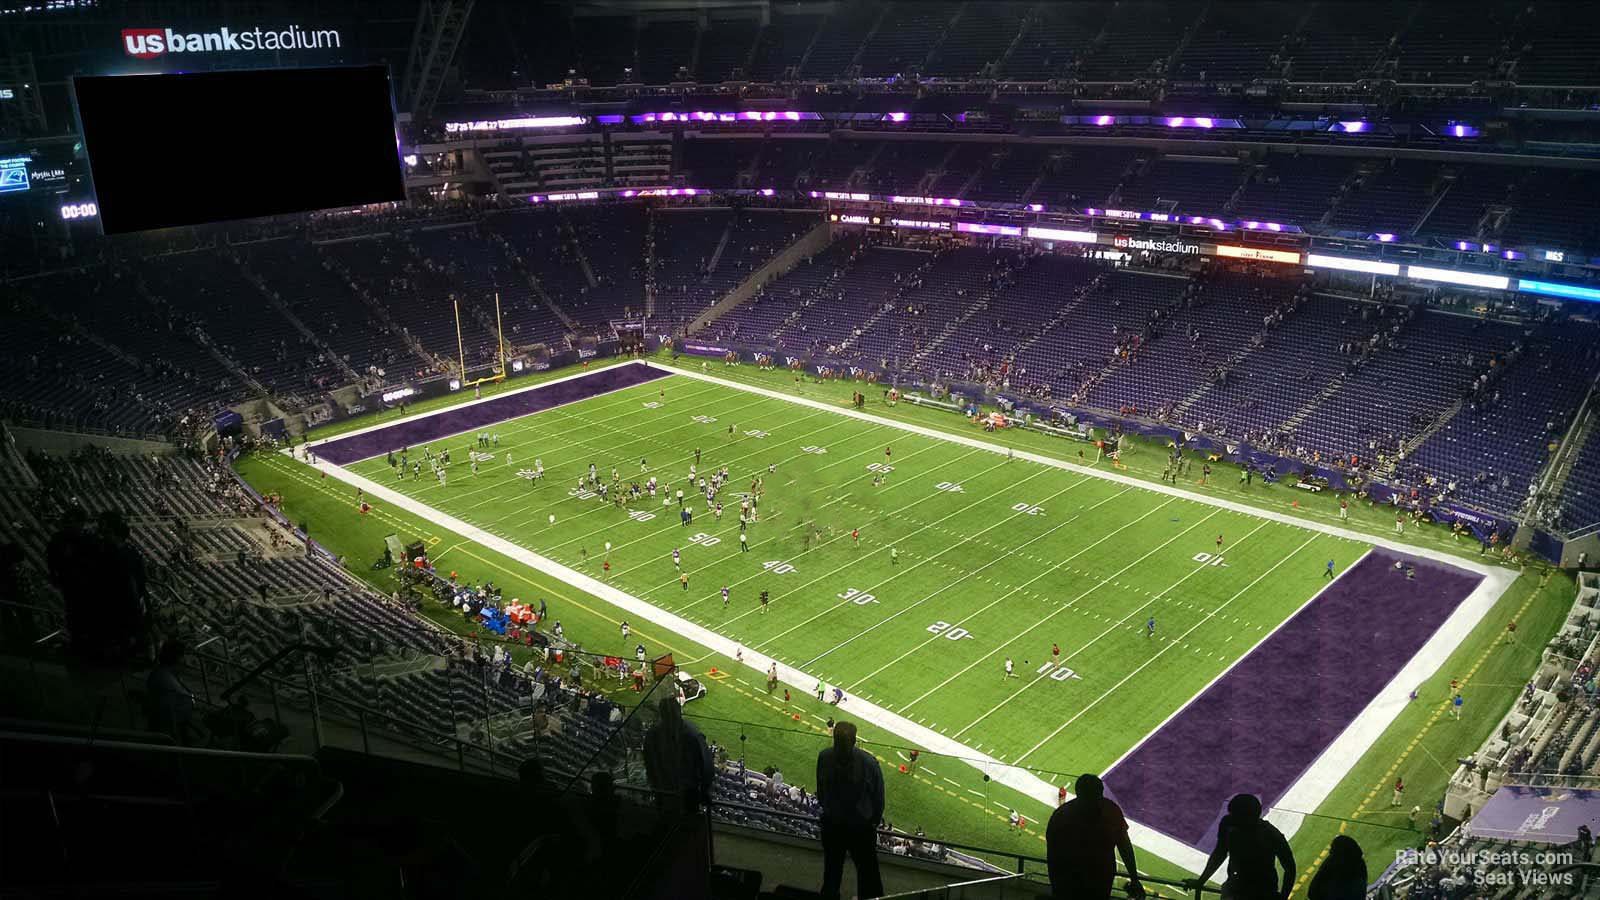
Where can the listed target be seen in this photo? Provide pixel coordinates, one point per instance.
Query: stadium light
(1060, 234)
(985, 228)
(1555, 289)
(1348, 264)
(1468, 279)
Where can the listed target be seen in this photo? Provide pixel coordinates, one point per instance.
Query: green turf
(1010, 557)
(1084, 573)
(948, 798)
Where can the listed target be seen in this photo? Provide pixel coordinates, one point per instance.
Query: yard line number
(946, 630)
(1058, 672)
(857, 597)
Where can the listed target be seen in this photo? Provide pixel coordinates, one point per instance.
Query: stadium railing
(313, 714)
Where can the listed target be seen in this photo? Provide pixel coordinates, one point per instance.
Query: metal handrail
(923, 892)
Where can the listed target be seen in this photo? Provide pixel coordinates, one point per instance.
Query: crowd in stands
(1371, 386)
(1416, 42)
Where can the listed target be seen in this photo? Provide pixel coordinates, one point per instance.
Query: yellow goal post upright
(500, 341)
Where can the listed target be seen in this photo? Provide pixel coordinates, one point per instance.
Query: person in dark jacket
(850, 793)
(677, 760)
(1251, 845)
(1082, 840)
(1343, 875)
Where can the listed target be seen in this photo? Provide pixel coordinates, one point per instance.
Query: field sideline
(905, 702)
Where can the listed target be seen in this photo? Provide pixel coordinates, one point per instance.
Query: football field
(1035, 613)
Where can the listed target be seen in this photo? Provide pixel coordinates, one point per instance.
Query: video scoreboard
(37, 170)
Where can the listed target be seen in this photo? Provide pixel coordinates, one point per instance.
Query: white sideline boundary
(1307, 792)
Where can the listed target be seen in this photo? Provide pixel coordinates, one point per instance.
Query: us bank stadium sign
(1155, 245)
(149, 43)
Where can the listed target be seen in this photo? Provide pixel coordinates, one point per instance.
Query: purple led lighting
(792, 116)
(1384, 237)
(896, 117)
(1463, 245)
(768, 192)
(1274, 226)
(1357, 126)
(1105, 120)
(1036, 207)
(1204, 122)
(1175, 122)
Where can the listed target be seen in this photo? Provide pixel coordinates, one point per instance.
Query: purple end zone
(1267, 720)
(425, 428)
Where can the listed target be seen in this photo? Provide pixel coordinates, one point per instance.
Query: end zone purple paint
(1260, 726)
(431, 427)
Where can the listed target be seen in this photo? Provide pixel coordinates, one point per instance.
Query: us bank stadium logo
(149, 43)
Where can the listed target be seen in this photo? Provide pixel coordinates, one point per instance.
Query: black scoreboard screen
(186, 149)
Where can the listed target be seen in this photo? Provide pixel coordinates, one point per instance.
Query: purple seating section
(319, 297)
(110, 359)
(1524, 410)
(1581, 499)
(1233, 355)
(210, 290)
(686, 244)
(478, 270)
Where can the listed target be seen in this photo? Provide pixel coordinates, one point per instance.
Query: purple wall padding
(1263, 723)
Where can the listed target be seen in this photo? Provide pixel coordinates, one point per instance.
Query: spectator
(1250, 844)
(850, 792)
(677, 760)
(1081, 840)
(169, 703)
(1344, 875)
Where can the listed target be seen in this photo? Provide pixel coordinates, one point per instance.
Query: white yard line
(1086, 592)
(1025, 782)
(1093, 471)
(999, 559)
(1159, 653)
(1334, 763)
(966, 509)
(801, 554)
(1309, 791)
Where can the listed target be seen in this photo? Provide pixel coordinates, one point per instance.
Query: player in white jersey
(1009, 667)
